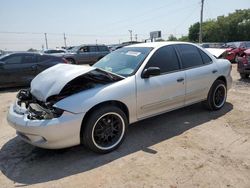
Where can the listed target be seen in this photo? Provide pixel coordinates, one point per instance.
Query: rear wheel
(244, 76)
(71, 61)
(217, 95)
(105, 129)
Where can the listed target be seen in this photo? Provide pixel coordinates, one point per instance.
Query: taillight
(65, 61)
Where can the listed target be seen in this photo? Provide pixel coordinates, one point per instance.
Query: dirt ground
(190, 147)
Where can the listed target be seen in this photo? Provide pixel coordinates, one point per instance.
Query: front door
(164, 92)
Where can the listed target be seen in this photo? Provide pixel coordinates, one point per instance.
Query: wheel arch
(116, 103)
(222, 78)
(70, 58)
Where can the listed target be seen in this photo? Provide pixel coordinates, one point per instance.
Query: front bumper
(55, 133)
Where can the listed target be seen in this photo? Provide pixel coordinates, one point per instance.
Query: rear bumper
(54, 133)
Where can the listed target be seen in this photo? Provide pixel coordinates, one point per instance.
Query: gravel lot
(190, 147)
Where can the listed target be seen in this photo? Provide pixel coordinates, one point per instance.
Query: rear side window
(165, 58)
(190, 56)
(206, 59)
(29, 59)
(92, 48)
(42, 58)
(103, 48)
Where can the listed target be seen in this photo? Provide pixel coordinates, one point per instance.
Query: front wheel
(105, 129)
(217, 95)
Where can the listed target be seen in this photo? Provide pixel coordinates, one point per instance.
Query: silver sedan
(68, 105)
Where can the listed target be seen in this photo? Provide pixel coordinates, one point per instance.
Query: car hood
(65, 80)
(51, 81)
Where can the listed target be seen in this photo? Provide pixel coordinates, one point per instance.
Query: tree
(31, 50)
(172, 38)
(234, 27)
(183, 38)
(193, 33)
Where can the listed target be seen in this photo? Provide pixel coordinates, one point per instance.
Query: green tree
(234, 27)
(193, 33)
(184, 39)
(172, 38)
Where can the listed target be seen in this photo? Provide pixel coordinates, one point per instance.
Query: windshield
(124, 61)
(74, 49)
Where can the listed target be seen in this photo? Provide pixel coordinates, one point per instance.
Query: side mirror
(151, 71)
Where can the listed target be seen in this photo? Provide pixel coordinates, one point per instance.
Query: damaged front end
(39, 105)
(36, 110)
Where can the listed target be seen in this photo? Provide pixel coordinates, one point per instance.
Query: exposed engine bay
(39, 110)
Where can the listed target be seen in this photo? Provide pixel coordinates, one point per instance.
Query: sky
(24, 22)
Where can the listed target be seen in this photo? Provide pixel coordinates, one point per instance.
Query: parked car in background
(86, 54)
(218, 52)
(236, 49)
(18, 69)
(114, 47)
(212, 45)
(54, 51)
(243, 62)
(94, 105)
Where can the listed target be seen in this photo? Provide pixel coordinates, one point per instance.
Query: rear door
(93, 54)
(83, 55)
(200, 72)
(164, 92)
(28, 69)
(46, 61)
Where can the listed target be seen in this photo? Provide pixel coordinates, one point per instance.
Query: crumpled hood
(52, 80)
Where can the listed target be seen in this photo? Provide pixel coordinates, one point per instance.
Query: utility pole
(130, 31)
(200, 34)
(46, 41)
(64, 38)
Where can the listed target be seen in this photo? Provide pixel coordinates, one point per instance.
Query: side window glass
(165, 58)
(190, 56)
(84, 49)
(206, 59)
(16, 59)
(29, 59)
(92, 49)
(103, 48)
(42, 58)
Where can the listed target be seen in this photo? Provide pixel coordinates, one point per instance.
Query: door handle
(214, 71)
(180, 79)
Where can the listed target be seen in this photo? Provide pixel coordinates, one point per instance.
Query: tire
(71, 61)
(244, 76)
(105, 129)
(217, 95)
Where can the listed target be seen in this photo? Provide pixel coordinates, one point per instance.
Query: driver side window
(166, 59)
(14, 59)
(84, 49)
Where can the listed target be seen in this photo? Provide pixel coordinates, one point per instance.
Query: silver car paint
(134, 92)
(51, 81)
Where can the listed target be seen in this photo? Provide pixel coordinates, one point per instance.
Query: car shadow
(26, 164)
(11, 89)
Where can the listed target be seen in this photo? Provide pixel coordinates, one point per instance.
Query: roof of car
(156, 44)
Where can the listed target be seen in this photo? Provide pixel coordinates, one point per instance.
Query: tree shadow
(27, 165)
